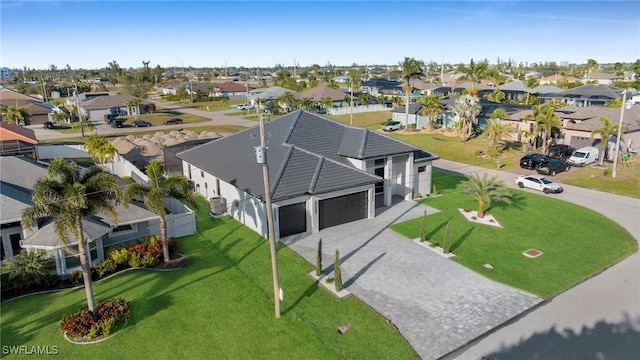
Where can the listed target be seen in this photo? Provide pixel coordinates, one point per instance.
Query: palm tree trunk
(463, 133)
(406, 105)
(86, 271)
(480, 208)
(163, 236)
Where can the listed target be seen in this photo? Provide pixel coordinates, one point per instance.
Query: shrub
(150, 260)
(82, 324)
(135, 260)
(607, 171)
(319, 259)
(76, 277)
(446, 244)
(138, 249)
(337, 272)
(434, 192)
(106, 267)
(411, 127)
(120, 257)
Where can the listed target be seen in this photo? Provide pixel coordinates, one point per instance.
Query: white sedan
(538, 182)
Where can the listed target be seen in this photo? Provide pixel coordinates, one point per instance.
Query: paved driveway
(437, 304)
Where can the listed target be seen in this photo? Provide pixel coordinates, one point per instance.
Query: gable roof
(15, 132)
(307, 154)
(8, 94)
(591, 91)
(382, 83)
(587, 118)
(269, 93)
(231, 86)
(546, 89)
(318, 94)
(515, 85)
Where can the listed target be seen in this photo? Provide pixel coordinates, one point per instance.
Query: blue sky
(90, 34)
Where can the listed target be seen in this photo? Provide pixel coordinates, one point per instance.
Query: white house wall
(422, 179)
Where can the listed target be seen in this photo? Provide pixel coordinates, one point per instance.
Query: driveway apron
(436, 304)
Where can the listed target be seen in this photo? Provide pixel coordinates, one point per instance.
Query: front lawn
(220, 306)
(576, 242)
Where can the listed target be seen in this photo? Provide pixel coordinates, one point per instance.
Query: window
(380, 162)
(121, 228)
(15, 242)
(189, 169)
(201, 173)
(2, 254)
(422, 169)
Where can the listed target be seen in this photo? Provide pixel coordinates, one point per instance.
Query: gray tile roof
(515, 85)
(546, 89)
(591, 91)
(306, 155)
(102, 102)
(588, 118)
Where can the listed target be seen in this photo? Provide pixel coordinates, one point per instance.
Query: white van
(584, 156)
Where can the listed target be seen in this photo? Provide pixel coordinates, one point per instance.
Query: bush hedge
(86, 325)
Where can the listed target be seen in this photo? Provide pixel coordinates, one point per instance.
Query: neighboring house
(376, 87)
(95, 108)
(5, 74)
(585, 95)
(458, 88)
(342, 79)
(447, 118)
(170, 87)
(17, 140)
(545, 90)
(40, 113)
(553, 79)
(322, 173)
(232, 89)
(604, 78)
(578, 122)
(319, 93)
(513, 90)
(268, 94)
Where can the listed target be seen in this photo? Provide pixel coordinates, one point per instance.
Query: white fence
(357, 109)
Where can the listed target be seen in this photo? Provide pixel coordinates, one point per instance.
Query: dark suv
(117, 123)
(530, 161)
(560, 151)
(552, 166)
(173, 121)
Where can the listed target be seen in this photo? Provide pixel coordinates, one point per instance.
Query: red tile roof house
(17, 140)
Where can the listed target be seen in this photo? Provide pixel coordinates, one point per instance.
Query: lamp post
(615, 158)
(78, 106)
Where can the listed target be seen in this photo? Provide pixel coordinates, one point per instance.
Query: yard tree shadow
(461, 239)
(437, 228)
(603, 341)
(311, 289)
(518, 202)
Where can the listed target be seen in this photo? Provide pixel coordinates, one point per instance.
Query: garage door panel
(343, 209)
(292, 219)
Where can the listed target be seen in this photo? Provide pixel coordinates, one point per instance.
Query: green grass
(576, 242)
(370, 120)
(220, 306)
(626, 182)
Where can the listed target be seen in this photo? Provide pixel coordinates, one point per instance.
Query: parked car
(244, 106)
(392, 126)
(173, 121)
(552, 166)
(560, 151)
(531, 160)
(140, 123)
(538, 182)
(117, 123)
(49, 125)
(584, 156)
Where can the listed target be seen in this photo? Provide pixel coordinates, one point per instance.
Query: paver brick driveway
(437, 304)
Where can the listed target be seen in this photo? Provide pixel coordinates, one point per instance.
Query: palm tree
(355, 77)
(431, 107)
(545, 120)
(327, 102)
(365, 98)
(485, 190)
(607, 129)
(286, 101)
(467, 108)
(306, 103)
(473, 73)
(133, 104)
(70, 195)
(495, 127)
(411, 68)
(261, 103)
(153, 195)
(17, 115)
(100, 148)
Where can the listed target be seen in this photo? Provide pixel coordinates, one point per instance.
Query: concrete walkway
(437, 304)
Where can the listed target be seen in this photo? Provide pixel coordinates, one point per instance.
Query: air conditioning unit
(216, 206)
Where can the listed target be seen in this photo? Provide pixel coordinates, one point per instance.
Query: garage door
(578, 141)
(293, 219)
(343, 209)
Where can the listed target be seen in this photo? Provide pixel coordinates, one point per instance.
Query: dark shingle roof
(306, 155)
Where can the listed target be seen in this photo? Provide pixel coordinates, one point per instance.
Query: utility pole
(615, 158)
(79, 114)
(261, 157)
